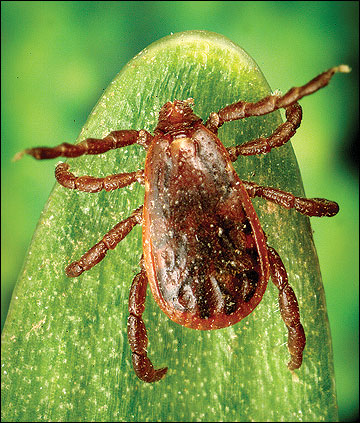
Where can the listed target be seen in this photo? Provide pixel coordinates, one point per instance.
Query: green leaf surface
(65, 355)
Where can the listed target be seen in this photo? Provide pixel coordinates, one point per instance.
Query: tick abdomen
(204, 255)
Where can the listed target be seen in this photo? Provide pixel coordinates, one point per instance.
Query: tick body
(204, 250)
(205, 255)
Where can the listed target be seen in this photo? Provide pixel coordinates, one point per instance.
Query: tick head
(175, 115)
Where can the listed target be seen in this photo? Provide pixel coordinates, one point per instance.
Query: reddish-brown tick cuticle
(205, 255)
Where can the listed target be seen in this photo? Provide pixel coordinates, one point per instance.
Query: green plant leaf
(65, 355)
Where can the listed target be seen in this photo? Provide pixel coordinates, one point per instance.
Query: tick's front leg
(116, 139)
(308, 206)
(92, 184)
(244, 109)
(289, 310)
(109, 241)
(137, 335)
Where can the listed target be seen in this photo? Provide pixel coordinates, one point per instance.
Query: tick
(205, 255)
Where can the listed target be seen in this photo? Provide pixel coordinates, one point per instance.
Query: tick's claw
(145, 370)
(18, 155)
(343, 69)
(74, 270)
(160, 373)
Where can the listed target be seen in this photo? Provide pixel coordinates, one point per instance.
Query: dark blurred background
(58, 57)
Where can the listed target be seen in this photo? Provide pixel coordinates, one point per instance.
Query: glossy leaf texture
(65, 355)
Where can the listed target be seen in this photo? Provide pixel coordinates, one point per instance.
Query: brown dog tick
(205, 254)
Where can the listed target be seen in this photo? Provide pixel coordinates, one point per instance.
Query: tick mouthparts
(177, 113)
(177, 110)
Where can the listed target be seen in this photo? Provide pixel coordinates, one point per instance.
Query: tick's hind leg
(289, 310)
(307, 206)
(91, 184)
(116, 139)
(109, 241)
(137, 335)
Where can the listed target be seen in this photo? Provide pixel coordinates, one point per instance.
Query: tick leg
(282, 135)
(307, 206)
(243, 109)
(289, 309)
(116, 139)
(137, 335)
(109, 242)
(91, 184)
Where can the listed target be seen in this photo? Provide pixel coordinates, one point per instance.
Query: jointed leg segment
(137, 332)
(91, 184)
(116, 139)
(109, 242)
(281, 135)
(289, 310)
(243, 109)
(307, 206)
